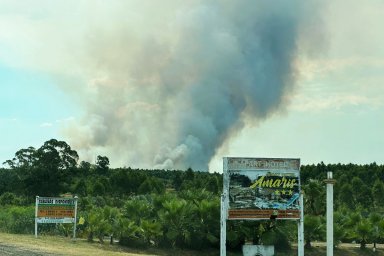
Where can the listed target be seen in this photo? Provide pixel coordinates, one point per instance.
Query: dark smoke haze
(168, 85)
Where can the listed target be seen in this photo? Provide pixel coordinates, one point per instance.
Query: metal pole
(36, 206)
(74, 223)
(329, 181)
(223, 227)
(300, 243)
(223, 209)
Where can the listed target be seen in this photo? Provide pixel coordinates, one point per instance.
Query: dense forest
(179, 208)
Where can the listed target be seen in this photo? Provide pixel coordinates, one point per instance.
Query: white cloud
(65, 120)
(336, 102)
(315, 69)
(46, 125)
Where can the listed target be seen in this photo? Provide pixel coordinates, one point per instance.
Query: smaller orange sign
(56, 211)
(55, 207)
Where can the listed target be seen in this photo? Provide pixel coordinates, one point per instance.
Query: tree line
(358, 202)
(179, 208)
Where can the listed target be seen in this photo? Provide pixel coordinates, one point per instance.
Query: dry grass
(80, 247)
(320, 249)
(67, 246)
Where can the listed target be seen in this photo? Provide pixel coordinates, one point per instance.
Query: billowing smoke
(168, 85)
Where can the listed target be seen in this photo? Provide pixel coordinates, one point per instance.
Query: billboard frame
(259, 188)
(289, 168)
(56, 210)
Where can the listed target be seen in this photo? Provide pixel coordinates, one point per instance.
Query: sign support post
(224, 210)
(36, 206)
(74, 222)
(300, 240)
(223, 227)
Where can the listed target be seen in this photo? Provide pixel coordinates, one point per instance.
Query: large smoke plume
(168, 85)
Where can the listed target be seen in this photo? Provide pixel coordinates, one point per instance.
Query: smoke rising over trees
(170, 87)
(166, 84)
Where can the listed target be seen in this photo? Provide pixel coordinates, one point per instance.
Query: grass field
(62, 245)
(66, 246)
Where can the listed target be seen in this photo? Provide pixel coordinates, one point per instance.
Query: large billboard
(262, 188)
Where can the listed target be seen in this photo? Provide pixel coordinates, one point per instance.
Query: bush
(18, 220)
(132, 242)
(9, 198)
(277, 238)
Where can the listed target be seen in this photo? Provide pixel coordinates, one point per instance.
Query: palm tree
(377, 223)
(177, 221)
(313, 229)
(313, 191)
(359, 228)
(207, 224)
(152, 231)
(363, 232)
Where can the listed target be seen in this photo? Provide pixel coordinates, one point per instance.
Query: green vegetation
(178, 209)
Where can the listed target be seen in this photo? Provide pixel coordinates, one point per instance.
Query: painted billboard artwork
(259, 192)
(266, 191)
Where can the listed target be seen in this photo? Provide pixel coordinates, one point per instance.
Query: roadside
(16, 250)
(28, 245)
(23, 245)
(343, 249)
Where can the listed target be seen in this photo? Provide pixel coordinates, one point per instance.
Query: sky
(175, 84)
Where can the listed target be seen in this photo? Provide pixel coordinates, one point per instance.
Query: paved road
(19, 251)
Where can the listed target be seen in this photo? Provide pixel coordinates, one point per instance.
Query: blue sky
(32, 110)
(53, 86)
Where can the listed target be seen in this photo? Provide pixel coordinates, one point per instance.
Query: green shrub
(277, 238)
(9, 198)
(18, 220)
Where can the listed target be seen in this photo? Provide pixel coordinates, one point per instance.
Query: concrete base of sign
(258, 250)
